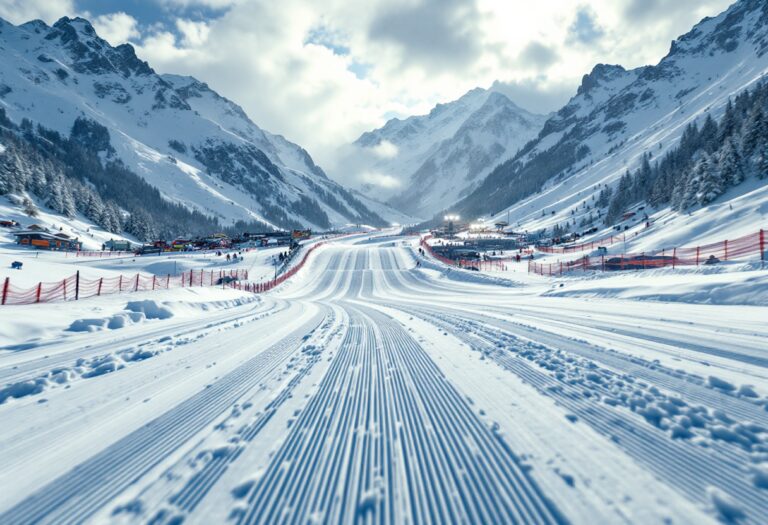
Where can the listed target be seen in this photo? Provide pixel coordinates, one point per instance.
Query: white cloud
(215, 4)
(270, 58)
(194, 34)
(20, 11)
(380, 180)
(116, 28)
(385, 150)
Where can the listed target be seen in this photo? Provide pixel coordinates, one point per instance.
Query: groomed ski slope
(370, 390)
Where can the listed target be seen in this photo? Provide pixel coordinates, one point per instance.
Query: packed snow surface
(378, 386)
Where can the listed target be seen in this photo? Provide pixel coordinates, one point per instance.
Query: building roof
(45, 235)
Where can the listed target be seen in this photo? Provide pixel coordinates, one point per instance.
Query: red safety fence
(744, 248)
(97, 254)
(498, 264)
(265, 286)
(428, 248)
(492, 264)
(74, 287)
(573, 248)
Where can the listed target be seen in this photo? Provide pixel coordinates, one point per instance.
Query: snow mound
(727, 509)
(87, 325)
(151, 309)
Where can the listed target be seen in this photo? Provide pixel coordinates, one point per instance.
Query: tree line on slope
(69, 176)
(707, 161)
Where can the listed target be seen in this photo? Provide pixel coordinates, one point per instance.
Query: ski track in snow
(321, 404)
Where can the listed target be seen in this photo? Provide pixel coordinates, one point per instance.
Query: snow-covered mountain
(440, 157)
(618, 115)
(198, 148)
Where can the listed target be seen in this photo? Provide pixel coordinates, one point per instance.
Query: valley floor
(369, 389)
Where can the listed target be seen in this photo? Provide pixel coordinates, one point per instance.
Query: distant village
(36, 236)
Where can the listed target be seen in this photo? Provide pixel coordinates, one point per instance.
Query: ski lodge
(42, 239)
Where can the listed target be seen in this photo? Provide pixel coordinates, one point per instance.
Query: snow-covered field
(369, 390)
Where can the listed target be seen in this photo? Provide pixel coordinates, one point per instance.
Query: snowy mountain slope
(618, 115)
(195, 146)
(440, 157)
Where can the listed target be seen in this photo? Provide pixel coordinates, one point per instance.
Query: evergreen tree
(761, 164)
(729, 163)
(708, 135)
(728, 124)
(754, 130)
(68, 202)
(29, 208)
(94, 205)
(643, 179)
(604, 199)
(710, 181)
(55, 199)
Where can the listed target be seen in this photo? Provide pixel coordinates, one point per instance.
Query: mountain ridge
(618, 115)
(441, 155)
(198, 148)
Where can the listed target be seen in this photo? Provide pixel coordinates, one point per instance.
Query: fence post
(120, 283)
(674, 257)
(64, 285)
(154, 278)
(201, 278)
(39, 289)
(698, 252)
(602, 262)
(725, 248)
(136, 289)
(5, 288)
(168, 281)
(101, 280)
(762, 247)
(77, 285)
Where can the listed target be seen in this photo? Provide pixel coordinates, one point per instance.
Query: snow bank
(725, 285)
(32, 326)
(151, 309)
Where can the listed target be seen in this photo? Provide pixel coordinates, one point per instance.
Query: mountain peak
(92, 54)
(81, 25)
(33, 25)
(745, 21)
(600, 74)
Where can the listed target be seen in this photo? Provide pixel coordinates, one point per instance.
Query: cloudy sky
(321, 72)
